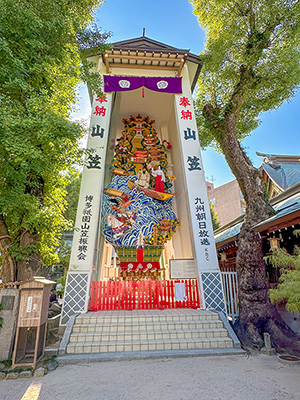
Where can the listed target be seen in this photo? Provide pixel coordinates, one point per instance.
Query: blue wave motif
(149, 212)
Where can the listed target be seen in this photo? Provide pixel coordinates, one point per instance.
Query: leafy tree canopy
(252, 49)
(72, 196)
(41, 49)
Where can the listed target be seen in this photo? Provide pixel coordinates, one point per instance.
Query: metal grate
(213, 291)
(75, 295)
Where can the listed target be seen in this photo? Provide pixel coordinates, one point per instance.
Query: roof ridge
(150, 41)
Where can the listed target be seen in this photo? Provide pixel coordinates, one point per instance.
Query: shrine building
(143, 236)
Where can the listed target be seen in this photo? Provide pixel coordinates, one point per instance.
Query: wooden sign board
(183, 269)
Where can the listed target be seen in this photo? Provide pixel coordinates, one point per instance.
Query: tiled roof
(284, 170)
(228, 233)
(284, 175)
(283, 208)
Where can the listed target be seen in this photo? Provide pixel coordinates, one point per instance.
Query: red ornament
(167, 144)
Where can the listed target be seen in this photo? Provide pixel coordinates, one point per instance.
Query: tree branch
(252, 20)
(237, 6)
(5, 237)
(209, 113)
(236, 100)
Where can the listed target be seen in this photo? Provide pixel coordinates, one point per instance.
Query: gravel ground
(219, 378)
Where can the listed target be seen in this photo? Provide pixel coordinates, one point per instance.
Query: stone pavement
(220, 378)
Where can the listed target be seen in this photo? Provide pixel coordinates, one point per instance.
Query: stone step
(148, 330)
(144, 326)
(150, 335)
(144, 345)
(113, 317)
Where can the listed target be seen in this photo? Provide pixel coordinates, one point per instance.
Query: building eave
(274, 224)
(145, 53)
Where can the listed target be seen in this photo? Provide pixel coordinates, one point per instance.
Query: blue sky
(173, 22)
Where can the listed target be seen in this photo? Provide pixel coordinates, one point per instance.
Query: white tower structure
(141, 77)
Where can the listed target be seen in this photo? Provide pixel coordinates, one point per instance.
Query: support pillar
(197, 200)
(83, 258)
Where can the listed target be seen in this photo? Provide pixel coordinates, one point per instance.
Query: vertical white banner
(204, 244)
(196, 187)
(88, 212)
(88, 217)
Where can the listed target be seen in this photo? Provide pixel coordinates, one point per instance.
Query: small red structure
(142, 295)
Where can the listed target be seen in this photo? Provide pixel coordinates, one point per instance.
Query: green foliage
(40, 66)
(16, 370)
(7, 363)
(91, 42)
(214, 216)
(296, 233)
(61, 281)
(289, 282)
(252, 51)
(64, 253)
(72, 196)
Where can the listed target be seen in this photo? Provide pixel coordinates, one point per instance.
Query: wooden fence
(142, 295)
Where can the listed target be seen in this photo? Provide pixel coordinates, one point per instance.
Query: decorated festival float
(138, 218)
(138, 227)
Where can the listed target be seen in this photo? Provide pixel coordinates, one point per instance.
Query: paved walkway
(218, 378)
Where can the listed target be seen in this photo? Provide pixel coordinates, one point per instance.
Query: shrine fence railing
(230, 285)
(142, 295)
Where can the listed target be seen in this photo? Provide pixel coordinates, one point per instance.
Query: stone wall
(9, 299)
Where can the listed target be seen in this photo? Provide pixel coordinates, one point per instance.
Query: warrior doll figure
(143, 177)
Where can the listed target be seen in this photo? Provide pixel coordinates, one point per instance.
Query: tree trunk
(22, 270)
(31, 267)
(256, 313)
(8, 270)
